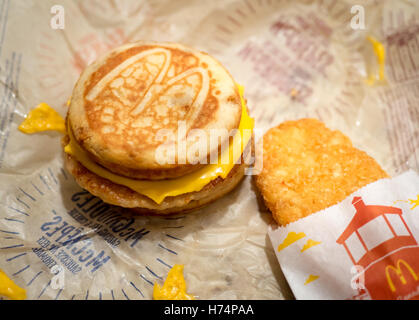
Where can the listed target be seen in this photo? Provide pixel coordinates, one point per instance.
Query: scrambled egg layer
(174, 287)
(9, 289)
(42, 118)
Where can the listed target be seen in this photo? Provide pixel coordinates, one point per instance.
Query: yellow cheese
(174, 287)
(9, 289)
(195, 181)
(380, 53)
(42, 118)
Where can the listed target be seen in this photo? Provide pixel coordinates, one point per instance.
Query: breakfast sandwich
(157, 127)
(308, 167)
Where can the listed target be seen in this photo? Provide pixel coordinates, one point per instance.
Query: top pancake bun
(122, 101)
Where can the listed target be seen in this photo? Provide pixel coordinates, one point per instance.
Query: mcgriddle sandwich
(141, 126)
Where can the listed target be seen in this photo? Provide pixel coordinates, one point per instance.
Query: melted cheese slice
(195, 181)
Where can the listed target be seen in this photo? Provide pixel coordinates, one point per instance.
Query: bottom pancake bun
(308, 167)
(122, 196)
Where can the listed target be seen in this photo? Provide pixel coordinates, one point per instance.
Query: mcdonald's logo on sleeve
(398, 271)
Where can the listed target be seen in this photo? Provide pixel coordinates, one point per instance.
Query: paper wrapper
(365, 247)
(295, 59)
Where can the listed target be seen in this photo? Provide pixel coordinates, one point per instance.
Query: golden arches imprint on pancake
(95, 91)
(156, 87)
(147, 84)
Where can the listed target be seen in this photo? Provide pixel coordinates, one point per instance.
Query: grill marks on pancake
(111, 112)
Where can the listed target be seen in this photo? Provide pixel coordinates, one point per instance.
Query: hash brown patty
(308, 167)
